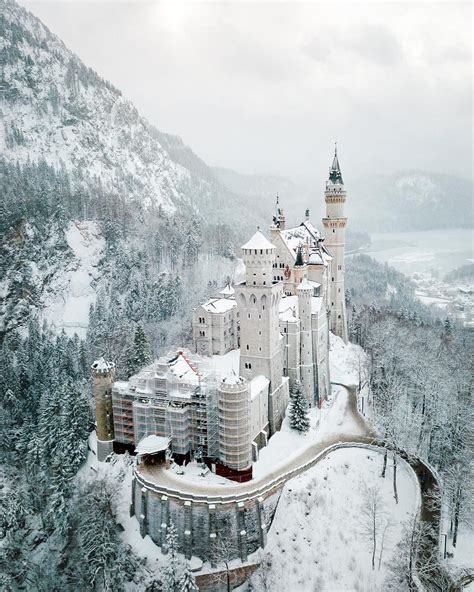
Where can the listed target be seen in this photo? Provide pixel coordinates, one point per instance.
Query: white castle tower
(305, 297)
(258, 302)
(335, 227)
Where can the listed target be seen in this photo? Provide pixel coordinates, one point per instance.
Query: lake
(423, 250)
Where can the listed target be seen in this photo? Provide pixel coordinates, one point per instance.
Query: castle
(222, 401)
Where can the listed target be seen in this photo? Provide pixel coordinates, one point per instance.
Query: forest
(420, 377)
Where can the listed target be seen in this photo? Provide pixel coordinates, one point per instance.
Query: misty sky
(267, 87)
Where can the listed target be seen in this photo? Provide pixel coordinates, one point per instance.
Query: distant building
(251, 343)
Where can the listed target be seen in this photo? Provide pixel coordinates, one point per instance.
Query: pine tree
(187, 583)
(173, 569)
(299, 419)
(140, 354)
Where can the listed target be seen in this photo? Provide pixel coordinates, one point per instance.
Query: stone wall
(243, 523)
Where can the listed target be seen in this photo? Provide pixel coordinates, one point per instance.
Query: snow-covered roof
(233, 378)
(219, 305)
(258, 241)
(227, 291)
(258, 384)
(289, 306)
(288, 315)
(181, 368)
(226, 364)
(152, 444)
(304, 285)
(102, 365)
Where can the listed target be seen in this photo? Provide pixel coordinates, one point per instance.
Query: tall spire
(335, 171)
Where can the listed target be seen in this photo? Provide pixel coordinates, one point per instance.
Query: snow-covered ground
(316, 539)
(346, 361)
(69, 297)
(288, 444)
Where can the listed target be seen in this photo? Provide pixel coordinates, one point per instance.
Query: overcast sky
(268, 87)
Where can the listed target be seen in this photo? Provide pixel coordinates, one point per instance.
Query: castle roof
(182, 369)
(102, 365)
(258, 241)
(227, 291)
(304, 234)
(304, 285)
(219, 305)
(335, 175)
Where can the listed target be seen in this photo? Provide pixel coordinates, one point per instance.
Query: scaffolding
(235, 449)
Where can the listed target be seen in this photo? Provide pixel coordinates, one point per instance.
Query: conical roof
(335, 174)
(258, 241)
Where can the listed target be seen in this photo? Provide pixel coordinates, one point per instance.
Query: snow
(258, 241)
(316, 537)
(102, 364)
(182, 369)
(287, 445)
(258, 384)
(69, 298)
(219, 305)
(227, 364)
(462, 553)
(345, 360)
(227, 291)
(151, 444)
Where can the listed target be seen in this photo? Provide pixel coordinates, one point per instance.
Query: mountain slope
(410, 200)
(74, 153)
(55, 108)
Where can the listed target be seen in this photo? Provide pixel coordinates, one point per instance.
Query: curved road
(161, 477)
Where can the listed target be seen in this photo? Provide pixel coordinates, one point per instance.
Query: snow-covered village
(250, 369)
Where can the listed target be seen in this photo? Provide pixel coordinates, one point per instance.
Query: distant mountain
(410, 200)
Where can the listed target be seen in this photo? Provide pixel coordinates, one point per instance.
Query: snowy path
(356, 430)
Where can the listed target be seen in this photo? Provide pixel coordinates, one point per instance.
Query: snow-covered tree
(299, 418)
(140, 354)
(187, 582)
(173, 569)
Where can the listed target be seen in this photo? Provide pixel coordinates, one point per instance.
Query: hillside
(410, 200)
(76, 153)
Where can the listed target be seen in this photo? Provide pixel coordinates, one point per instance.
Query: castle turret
(305, 296)
(299, 268)
(335, 227)
(258, 302)
(103, 374)
(235, 452)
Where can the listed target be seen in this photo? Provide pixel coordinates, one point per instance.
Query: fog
(268, 87)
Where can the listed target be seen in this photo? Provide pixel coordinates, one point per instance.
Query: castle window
(247, 345)
(254, 284)
(250, 366)
(264, 283)
(249, 315)
(339, 267)
(333, 230)
(332, 279)
(338, 316)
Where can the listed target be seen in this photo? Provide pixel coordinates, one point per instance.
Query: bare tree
(372, 518)
(223, 550)
(264, 577)
(395, 490)
(385, 531)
